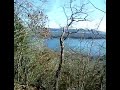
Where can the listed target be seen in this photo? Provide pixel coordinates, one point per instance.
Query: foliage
(23, 55)
(20, 48)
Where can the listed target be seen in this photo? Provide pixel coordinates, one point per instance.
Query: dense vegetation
(34, 69)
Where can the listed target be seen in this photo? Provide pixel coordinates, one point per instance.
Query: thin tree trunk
(60, 63)
(62, 55)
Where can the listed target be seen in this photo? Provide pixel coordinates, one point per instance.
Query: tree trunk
(60, 63)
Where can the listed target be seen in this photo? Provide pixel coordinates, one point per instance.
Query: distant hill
(81, 33)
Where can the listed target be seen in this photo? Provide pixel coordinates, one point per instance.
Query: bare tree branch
(100, 22)
(68, 33)
(96, 7)
(97, 32)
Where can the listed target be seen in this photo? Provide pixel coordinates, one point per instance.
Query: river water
(90, 47)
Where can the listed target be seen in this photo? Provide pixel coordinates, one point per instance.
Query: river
(90, 47)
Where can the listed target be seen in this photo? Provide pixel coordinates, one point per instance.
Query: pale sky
(56, 16)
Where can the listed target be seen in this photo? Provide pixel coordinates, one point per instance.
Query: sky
(54, 11)
(57, 17)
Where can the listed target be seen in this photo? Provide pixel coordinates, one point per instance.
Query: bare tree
(76, 16)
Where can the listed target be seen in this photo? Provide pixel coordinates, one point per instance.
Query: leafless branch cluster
(77, 15)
